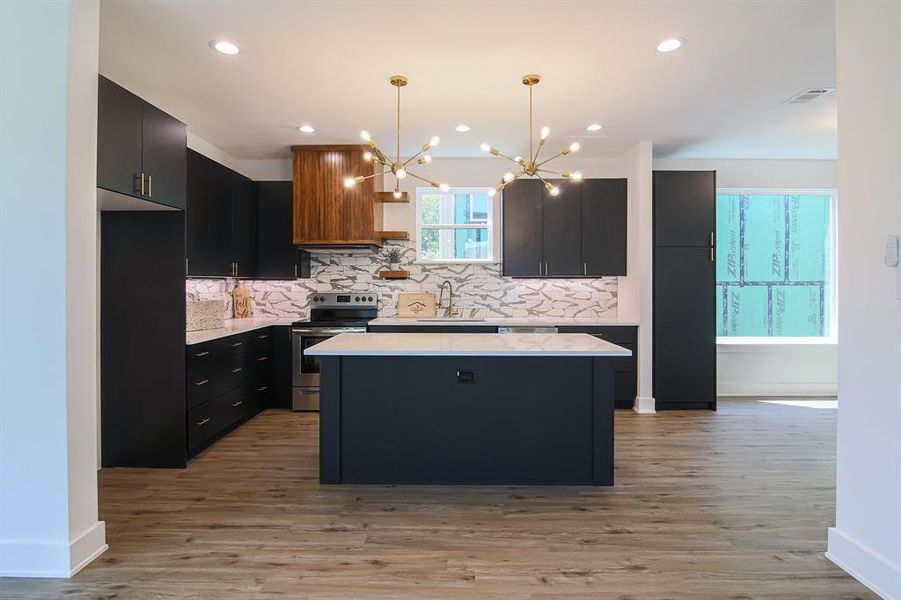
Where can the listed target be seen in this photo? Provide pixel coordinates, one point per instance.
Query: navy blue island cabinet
(487, 415)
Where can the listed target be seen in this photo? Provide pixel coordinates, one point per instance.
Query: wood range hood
(330, 216)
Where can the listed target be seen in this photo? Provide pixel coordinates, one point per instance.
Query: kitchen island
(424, 408)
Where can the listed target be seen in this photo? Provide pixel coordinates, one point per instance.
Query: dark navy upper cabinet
(141, 151)
(562, 230)
(522, 229)
(277, 256)
(604, 222)
(684, 211)
(581, 232)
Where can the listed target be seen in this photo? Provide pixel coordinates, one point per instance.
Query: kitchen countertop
(466, 344)
(504, 322)
(233, 326)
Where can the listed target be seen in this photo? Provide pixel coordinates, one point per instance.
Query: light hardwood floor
(732, 504)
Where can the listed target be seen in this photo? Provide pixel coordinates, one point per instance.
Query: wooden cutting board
(410, 304)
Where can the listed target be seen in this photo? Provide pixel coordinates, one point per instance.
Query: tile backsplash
(476, 286)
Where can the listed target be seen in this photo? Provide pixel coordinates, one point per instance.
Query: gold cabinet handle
(202, 422)
(236, 344)
(236, 269)
(262, 337)
(199, 354)
(539, 268)
(142, 184)
(263, 389)
(584, 268)
(150, 186)
(295, 271)
(712, 246)
(238, 403)
(201, 382)
(545, 268)
(238, 370)
(262, 358)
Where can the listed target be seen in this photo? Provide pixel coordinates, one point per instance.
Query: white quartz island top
(503, 322)
(466, 344)
(231, 327)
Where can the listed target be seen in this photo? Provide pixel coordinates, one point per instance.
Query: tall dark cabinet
(684, 290)
(142, 339)
(140, 149)
(277, 256)
(581, 232)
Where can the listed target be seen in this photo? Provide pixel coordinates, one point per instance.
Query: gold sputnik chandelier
(396, 167)
(530, 166)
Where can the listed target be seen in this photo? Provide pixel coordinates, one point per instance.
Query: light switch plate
(891, 250)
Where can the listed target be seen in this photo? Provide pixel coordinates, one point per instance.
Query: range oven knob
(370, 298)
(357, 299)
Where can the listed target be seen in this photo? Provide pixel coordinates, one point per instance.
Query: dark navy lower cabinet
(625, 368)
(466, 420)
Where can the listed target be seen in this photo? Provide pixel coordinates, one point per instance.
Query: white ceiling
(327, 63)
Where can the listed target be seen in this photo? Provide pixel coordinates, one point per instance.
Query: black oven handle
(335, 331)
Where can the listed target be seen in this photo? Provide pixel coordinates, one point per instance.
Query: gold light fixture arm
(428, 181)
(547, 160)
(417, 155)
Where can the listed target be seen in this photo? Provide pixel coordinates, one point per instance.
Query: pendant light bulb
(574, 147)
(349, 182)
(401, 173)
(576, 176)
(397, 194)
(555, 191)
(508, 177)
(365, 135)
(367, 156)
(485, 147)
(519, 160)
(443, 187)
(492, 192)
(545, 132)
(434, 141)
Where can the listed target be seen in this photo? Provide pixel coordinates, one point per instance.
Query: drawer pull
(262, 358)
(202, 382)
(202, 422)
(236, 344)
(262, 337)
(238, 403)
(263, 389)
(199, 354)
(237, 370)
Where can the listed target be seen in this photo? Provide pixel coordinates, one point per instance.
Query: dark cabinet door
(164, 151)
(118, 139)
(522, 229)
(276, 254)
(209, 218)
(243, 224)
(604, 223)
(684, 207)
(684, 328)
(561, 230)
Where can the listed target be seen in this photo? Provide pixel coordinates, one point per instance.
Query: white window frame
(832, 338)
(491, 225)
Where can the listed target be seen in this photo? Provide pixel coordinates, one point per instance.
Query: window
(454, 226)
(775, 267)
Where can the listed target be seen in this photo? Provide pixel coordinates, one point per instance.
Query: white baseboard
(20, 558)
(818, 390)
(864, 565)
(644, 406)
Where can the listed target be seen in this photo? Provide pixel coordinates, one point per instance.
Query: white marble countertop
(466, 344)
(233, 326)
(504, 322)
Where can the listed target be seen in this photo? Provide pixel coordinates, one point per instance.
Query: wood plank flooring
(732, 504)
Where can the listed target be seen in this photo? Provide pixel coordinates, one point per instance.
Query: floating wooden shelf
(388, 197)
(386, 274)
(392, 235)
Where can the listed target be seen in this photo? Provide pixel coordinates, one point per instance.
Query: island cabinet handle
(236, 344)
(202, 422)
(201, 382)
(262, 337)
(199, 354)
(262, 358)
(263, 389)
(238, 403)
(237, 370)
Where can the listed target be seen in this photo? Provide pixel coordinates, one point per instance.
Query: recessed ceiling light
(594, 127)
(224, 46)
(306, 129)
(670, 44)
(462, 128)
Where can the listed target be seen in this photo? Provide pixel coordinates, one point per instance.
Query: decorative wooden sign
(420, 305)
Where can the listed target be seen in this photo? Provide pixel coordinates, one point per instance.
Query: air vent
(809, 95)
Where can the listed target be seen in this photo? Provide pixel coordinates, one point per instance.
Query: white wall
(258, 170)
(866, 539)
(778, 369)
(48, 111)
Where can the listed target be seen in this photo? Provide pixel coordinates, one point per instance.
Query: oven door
(305, 376)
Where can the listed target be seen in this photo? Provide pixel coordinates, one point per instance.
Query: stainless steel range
(331, 313)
